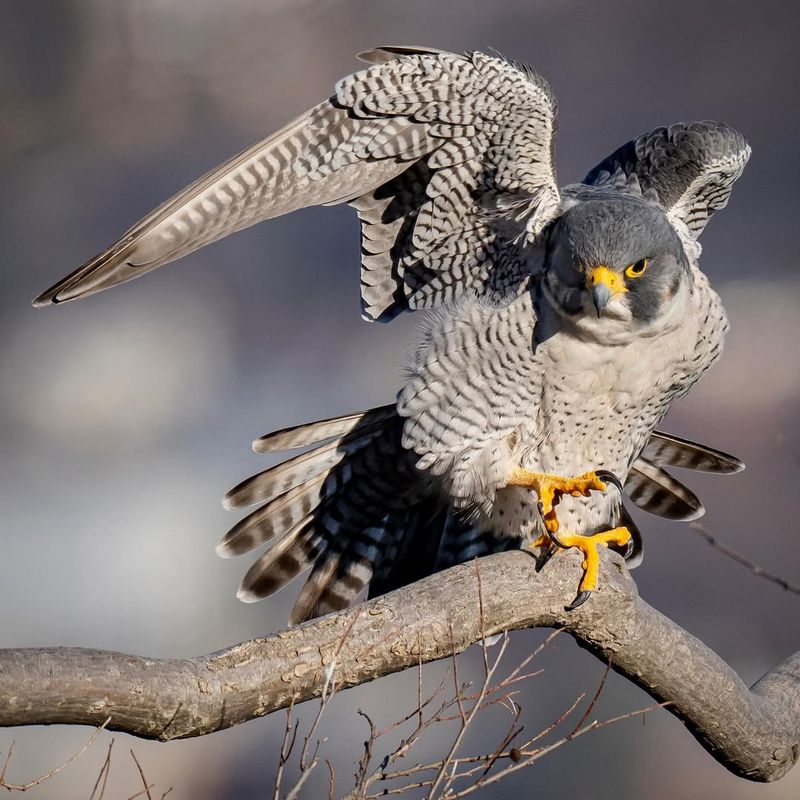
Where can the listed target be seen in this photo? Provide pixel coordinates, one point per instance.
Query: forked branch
(754, 732)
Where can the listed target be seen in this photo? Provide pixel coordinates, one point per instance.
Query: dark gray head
(615, 253)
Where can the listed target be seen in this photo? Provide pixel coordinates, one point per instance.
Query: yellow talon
(551, 488)
(589, 545)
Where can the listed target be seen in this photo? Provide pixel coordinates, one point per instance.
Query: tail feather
(411, 555)
(283, 562)
(342, 576)
(304, 607)
(314, 432)
(274, 519)
(666, 450)
(656, 491)
(464, 539)
(339, 508)
(290, 474)
(264, 487)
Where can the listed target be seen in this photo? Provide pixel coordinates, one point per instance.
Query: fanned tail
(344, 508)
(354, 510)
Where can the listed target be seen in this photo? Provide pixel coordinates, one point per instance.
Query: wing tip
(42, 301)
(263, 444)
(728, 465)
(229, 502)
(389, 52)
(246, 595)
(49, 297)
(222, 548)
(696, 514)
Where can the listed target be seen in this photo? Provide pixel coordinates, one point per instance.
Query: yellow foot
(551, 488)
(589, 546)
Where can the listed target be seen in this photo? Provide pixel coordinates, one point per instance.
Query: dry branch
(754, 732)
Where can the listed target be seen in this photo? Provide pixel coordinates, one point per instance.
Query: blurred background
(125, 418)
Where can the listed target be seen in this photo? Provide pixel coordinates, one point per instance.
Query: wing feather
(688, 168)
(421, 142)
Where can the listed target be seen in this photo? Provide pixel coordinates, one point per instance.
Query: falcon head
(615, 257)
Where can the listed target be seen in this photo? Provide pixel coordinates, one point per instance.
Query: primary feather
(421, 143)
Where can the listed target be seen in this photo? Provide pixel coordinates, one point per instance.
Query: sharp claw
(628, 549)
(609, 477)
(540, 507)
(554, 536)
(544, 558)
(579, 600)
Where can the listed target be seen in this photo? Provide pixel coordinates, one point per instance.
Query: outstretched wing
(447, 159)
(688, 168)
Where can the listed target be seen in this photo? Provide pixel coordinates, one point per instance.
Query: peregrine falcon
(563, 324)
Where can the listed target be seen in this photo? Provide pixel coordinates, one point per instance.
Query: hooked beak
(604, 285)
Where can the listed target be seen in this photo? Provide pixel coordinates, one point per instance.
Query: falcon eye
(637, 270)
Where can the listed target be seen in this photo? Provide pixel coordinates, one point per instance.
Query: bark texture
(754, 732)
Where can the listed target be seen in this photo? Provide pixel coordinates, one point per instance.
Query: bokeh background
(125, 418)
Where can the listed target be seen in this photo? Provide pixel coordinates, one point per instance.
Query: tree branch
(754, 732)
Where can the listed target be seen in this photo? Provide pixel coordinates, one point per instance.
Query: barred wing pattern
(447, 158)
(688, 168)
(472, 383)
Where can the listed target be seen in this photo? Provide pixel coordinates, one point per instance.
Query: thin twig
(103, 775)
(456, 684)
(331, 779)
(147, 786)
(142, 792)
(328, 690)
(295, 792)
(24, 787)
(415, 712)
(398, 790)
(5, 763)
(481, 759)
(594, 699)
(287, 744)
(543, 751)
(760, 572)
(364, 761)
(507, 739)
(308, 761)
(489, 672)
(556, 722)
(419, 681)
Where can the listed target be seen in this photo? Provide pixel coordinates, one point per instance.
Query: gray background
(124, 418)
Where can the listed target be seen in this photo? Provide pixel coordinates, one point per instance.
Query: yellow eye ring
(637, 269)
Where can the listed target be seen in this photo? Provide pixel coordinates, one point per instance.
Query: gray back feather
(688, 168)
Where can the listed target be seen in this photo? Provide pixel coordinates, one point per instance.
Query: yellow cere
(604, 275)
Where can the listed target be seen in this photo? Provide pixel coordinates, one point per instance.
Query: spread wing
(447, 158)
(688, 168)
